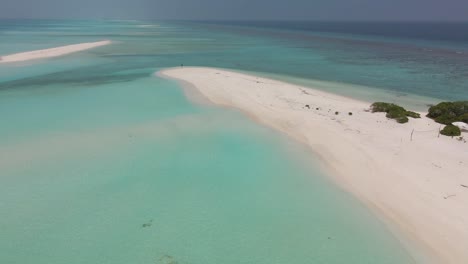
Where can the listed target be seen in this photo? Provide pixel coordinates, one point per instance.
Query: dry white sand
(53, 52)
(418, 185)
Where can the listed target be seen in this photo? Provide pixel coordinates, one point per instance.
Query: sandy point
(52, 52)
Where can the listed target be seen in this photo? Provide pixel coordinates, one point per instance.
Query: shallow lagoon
(141, 174)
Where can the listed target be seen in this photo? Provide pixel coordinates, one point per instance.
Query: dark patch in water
(148, 224)
(167, 259)
(88, 76)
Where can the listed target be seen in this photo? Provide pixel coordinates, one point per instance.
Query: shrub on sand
(451, 131)
(394, 111)
(448, 112)
(413, 114)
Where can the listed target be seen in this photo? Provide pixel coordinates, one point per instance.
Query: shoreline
(354, 91)
(413, 185)
(52, 52)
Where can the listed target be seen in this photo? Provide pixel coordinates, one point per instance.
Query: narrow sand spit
(413, 179)
(53, 52)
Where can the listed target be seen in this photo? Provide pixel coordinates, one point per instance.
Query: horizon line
(243, 20)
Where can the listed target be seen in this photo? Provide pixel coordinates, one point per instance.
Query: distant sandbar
(52, 52)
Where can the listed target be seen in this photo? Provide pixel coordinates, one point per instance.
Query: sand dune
(413, 179)
(52, 52)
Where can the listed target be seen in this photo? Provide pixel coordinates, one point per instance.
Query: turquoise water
(79, 183)
(101, 161)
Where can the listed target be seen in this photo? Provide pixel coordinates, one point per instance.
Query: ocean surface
(101, 161)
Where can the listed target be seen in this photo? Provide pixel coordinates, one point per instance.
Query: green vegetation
(448, 112)
(413, 114)
(394, 111)
(401, 119)
(451, 131)
(464, 118)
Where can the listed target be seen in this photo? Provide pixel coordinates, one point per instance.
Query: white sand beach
(414, 180)
(52, 52)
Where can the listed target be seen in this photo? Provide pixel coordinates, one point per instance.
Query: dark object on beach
(336, 113)
(307, 106)
(451, 131)
(317, 108)
(448, 112)
(394, 111)
(448, 196)
(350, 113)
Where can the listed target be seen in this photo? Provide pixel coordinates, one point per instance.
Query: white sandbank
(417, 185)
(52, 52)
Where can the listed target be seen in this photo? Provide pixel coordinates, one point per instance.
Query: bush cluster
(451, 131)
(448, 112)
(413, 114)
(394, 111)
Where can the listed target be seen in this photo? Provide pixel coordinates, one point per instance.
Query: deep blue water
(438, 31)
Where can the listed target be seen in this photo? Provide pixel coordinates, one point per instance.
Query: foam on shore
(52, 52)
(414, 179)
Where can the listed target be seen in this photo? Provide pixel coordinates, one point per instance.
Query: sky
(393, 10)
